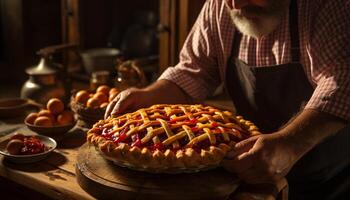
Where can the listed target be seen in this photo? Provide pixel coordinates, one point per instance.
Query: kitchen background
(150, 32)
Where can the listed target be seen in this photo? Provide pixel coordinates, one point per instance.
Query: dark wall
(104, 21)
(26, 26)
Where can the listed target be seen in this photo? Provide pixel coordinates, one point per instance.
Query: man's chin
(254, 26)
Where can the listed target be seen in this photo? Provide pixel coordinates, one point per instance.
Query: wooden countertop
(55, 176)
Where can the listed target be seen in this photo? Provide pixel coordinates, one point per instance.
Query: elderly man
(286, 66)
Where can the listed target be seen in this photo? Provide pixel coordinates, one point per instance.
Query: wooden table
(55, 176)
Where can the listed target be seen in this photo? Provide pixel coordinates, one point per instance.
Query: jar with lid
(129, 75)
(99, 78)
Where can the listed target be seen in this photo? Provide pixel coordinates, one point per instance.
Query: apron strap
(294, 30)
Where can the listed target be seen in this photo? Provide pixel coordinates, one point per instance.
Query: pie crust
(169, 137)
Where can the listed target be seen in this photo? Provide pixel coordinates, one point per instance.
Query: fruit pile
(99, 99)
(53, 115)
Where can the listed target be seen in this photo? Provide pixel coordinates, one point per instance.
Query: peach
(93, 103)
(103, 88)
(55, 106)
(82, 96)
(31, 118)
(66, 117)
(43, 121)
(47, 113)
(101, 97)
(14, 146)
(104, 105)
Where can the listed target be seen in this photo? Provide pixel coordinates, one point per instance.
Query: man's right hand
(127, 100)
(162, 91)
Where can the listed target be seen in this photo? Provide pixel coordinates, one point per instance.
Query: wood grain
(103, 179)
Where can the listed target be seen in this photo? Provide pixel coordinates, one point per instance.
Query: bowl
(51, 131)
(98, 59)
(49, 142)
(89, 116)
(12, 107)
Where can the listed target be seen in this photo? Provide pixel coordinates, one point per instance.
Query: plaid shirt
(324, 34)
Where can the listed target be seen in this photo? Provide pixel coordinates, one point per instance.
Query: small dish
(14, 107)
(49, 142)
(51, 131)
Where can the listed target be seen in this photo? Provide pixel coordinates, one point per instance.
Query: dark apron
(270, 96)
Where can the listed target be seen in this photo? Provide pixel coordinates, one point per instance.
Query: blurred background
(77, 39)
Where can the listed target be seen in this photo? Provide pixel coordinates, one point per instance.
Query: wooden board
(104, 180)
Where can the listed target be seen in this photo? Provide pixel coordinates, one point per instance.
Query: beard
(259, 21)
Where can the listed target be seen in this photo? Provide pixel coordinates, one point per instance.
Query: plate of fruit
(51, 121)
(20, 148)
(91, 106)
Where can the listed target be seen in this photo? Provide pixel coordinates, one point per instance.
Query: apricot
(47, 113)
(101, 97)
(82, 96)
(113, 91)
(103, 88)
(14, 146)
(66, 117)
(112, 96)
(93, 103)
(43, 121)
(55, 106)
(104, 105)
(31, 118)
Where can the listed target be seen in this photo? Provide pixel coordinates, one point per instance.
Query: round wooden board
(105, 180)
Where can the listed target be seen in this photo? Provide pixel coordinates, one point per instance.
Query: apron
(270, 96)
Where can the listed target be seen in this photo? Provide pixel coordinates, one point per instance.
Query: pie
(164, 137)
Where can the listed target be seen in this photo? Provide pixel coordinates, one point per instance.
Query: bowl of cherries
(20, 148)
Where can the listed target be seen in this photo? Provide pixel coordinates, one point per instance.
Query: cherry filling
(135, 140)
(32, 145)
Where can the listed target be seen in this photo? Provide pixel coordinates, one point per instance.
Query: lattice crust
(170, 136)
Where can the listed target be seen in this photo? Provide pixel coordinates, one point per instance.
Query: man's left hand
(262, 159)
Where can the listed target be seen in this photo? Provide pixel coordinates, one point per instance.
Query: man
(286, 65)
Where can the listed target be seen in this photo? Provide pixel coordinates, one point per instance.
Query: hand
(128, 100)
(262, 159)
(162, 91)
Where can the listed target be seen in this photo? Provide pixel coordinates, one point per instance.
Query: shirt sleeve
(330, 57)
(197, 72)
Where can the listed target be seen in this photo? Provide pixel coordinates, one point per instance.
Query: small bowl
(49, 142)
(98, 59)
(88, 115)
(12, 107)
(51, 131)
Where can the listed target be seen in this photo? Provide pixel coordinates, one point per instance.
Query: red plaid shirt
(324, 36)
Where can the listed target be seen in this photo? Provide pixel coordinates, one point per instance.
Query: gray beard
(257, 27)
(256, 22)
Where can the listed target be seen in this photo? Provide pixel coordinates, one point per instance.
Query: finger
(124, 103)
(111, 106)
(246, 142)
(241, 147)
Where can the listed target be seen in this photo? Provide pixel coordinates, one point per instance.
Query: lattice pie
(165, 137)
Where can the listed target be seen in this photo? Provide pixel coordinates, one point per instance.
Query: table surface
(54, 176)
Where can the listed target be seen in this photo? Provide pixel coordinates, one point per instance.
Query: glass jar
(99, 78)
(129, 75)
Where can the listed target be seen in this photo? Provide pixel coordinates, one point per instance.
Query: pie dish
(170, 137)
